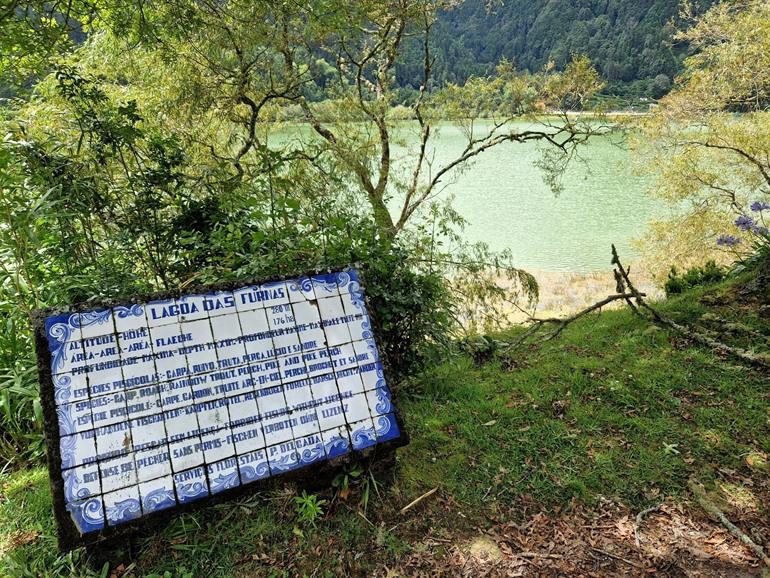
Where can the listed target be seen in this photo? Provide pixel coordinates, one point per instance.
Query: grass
(615, 408)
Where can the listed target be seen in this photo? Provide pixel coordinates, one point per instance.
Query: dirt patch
(670, 541)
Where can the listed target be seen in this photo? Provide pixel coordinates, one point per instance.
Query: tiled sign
(174, 400)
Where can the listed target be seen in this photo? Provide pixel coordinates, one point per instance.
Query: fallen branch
(639, 519)
(700, 495)
(623, 279)
(418, 500)
(616, 557)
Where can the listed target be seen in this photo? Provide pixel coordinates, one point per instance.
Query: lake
(507, 204)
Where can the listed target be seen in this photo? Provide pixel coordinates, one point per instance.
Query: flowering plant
(754, 225)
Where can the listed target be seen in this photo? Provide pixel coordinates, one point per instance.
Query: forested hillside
(628, 40)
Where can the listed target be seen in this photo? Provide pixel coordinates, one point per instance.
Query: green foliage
(309, 508)
(709, 274)
(630, 42)
(710, 163)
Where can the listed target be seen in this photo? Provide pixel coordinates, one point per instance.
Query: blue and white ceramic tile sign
(174, 400)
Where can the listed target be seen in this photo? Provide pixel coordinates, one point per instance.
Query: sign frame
(316, 476)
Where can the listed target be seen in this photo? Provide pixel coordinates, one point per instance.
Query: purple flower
(761, 230)
(728, 241)
(745, 223)
(759, 206)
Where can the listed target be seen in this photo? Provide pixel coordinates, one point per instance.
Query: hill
(630, 41)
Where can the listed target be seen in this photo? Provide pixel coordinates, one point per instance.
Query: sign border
(321, 474)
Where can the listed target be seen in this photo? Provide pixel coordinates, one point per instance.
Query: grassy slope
(614, 408)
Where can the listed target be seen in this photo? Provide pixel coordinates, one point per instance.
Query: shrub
(707, 275)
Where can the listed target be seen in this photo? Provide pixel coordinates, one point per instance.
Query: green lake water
(508, 205)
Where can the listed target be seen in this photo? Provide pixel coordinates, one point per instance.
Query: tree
(709, 142)
(246, 58)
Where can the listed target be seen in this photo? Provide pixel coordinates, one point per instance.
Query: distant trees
(629, 41)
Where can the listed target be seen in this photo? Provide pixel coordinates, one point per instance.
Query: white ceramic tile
(331, 414)
(308, 320)
(333, 321)
(138, 371)
(371, 375)
(88, 514)
(223, 475)
(69, 358)
(109, 409)
(192, 307)
(282, 458)
(219, 303)
(325, 285)
(318, 362)
(199, 346)
(292, 368)
(186, 453)
(202, 387)
(212, 415)
(117, 473)
(379, 402)
(74, 417)
(305, 420)
(242, 408)
(129, 317)
(157, 494)
(366, 352)
(362, 434)
(343, 356)
(266, 373)
(249, 298)
(297, 394)
(122, 506)
(217, 445)
(134, 342)
(167, 341)
(181, 423)
(336, 442)
(191, 485)
(310, 449)
(358, 322)
(248, 437)
(175, 394)
(143, 401)
(69, 387)
(152, 463)
(258, 343)
(253, 466)
(148, 431)
(300, 289)
(229, 381)
(161, 312)
(275, 293)
(95, 323)
(356, 408)
(81, 482)
(113, 440)
(228, 339)
(386, 427)
(77, 449)
(277, 429)
(280, 320)
(323, 386)
(105, 379)
(349, 381)
(271, 401)
(348, 281)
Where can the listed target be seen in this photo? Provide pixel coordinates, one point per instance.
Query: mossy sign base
(176, 399)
